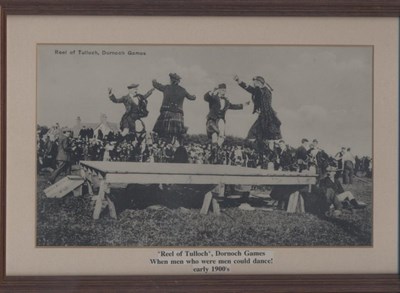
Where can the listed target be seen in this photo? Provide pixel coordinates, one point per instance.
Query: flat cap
(222, 86)
(260, 79)
(133, 86)
(174, 76)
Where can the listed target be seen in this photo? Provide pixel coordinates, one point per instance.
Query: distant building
(104, 125)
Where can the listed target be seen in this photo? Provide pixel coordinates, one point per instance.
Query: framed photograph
(214, 146)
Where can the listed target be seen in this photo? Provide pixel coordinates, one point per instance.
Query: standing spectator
(302, 155)
(107, 151)
(181, 155)
(365, 164)
(63, 156)
(169, 153)
(313, 152)
(318, 158)
(339, 159)
(90, 133)
(100, 135)
(83, 133)
(357, 166)
(110, 136)
(252, 159)
(348, 167)
(50, 154)
(369, 170)
(285, 158)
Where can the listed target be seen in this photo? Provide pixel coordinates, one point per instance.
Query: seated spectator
(336, 195)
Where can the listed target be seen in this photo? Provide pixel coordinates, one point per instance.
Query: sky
(322, 92)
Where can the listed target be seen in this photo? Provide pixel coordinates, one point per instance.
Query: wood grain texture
(227, 283)
(206, 7)
(3, 154)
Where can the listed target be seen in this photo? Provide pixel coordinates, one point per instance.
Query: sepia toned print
(204, 145)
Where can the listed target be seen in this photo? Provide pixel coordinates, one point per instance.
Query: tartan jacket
(131, 107)
(174, 95)
(214, 103)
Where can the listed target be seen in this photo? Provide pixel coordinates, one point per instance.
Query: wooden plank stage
(109, 174)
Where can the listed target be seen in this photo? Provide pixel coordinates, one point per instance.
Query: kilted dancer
(218, 105)
(170, 124)
(267, 126)
(136, 108)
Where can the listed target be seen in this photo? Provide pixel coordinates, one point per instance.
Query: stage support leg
(215, 206)
(77, 191)
(90, 188)
(85, 175)
(99, 200)
(221, 191)
(221, 194)
(111, 208)
(206, 203)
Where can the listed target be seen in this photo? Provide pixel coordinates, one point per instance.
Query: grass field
(171, 218)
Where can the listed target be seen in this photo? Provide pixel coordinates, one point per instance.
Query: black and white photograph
(204, 145)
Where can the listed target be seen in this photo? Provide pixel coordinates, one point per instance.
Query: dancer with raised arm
(218, 104)
(266, 129)
(170, 124)
(135, 109)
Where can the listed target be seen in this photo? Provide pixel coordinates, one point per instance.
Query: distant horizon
(319, 92)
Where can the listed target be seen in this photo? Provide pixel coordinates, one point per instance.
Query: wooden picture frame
(214, 283)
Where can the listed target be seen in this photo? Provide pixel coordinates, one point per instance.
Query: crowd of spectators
(149, 148)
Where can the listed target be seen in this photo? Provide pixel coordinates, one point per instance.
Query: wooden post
(215, 206)
(111, 208)
(292, 204)
(78, 191)
(206, 203)
(85, 175)
(221, 190)
(90, 188)
(99, 201)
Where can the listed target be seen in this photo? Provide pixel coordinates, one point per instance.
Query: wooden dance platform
(109, 174)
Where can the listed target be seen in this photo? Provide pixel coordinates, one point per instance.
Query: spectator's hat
(174, 76)
(133, 86)
(222, 86)
(260, 79)
(331, 169)
(66, 129)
